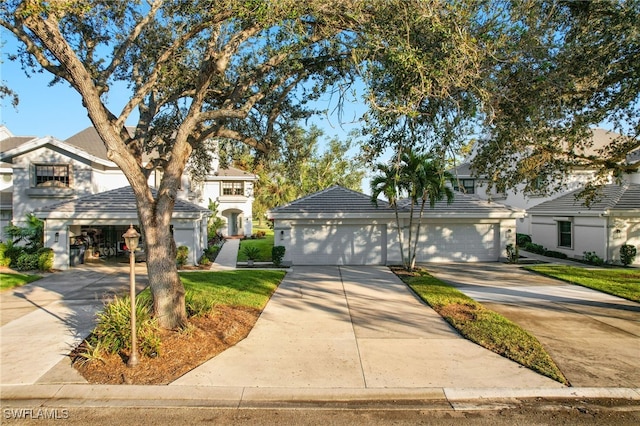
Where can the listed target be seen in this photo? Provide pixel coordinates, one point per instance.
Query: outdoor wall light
(508, 234)
(281, 235)
(617, 233)
(56, 237)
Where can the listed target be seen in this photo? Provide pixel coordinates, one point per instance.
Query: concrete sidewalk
(227, 258)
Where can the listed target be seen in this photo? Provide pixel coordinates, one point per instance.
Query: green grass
(205, 290)
(483, 326)
(616, 281)
(8, 281)
(263, 244)
(248, 288)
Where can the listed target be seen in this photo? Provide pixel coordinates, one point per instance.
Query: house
(470, 183)
(599, 235)
(567, 225)
(339, 226)
(51, 177)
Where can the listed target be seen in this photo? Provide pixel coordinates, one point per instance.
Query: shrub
(277, 254)
(182, 254)
(534, 248)
(113, 331)
(512, 253)
(4, 259)
(592, 258)
(252, 252)
(212, 252)
(522, 239)
(27, 262)
(556, 254)
(12, 252)
(204, 260)
(627, 254)
(45, 259)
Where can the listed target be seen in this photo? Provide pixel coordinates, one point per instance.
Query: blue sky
(57, 110)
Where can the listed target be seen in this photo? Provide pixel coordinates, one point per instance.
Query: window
(232, 188)
(468, 186)
(564, 234)
(52, 175)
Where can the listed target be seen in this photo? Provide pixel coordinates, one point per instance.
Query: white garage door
(337, 244)
(459, 242)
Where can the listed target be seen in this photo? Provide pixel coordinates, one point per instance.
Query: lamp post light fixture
(131, 238)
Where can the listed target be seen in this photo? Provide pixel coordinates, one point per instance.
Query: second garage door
(338, 245)
(459, 242)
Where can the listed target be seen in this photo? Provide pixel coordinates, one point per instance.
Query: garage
(461, 242)
(339, 226)
(338, 244)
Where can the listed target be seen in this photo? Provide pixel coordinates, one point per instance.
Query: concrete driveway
(43, 321)
(593, 337)
(356, 328)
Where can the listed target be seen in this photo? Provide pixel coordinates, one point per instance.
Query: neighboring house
(38, 173)
(338, 226)
(565, 224)
(589, 231)
(473, 184)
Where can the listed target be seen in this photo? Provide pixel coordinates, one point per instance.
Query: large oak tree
(197, 70)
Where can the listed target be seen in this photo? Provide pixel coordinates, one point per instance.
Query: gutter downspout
(605, 216)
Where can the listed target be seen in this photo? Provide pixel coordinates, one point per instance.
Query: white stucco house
(338, 226)
(84, 197)
(569, 226)
(586, 234)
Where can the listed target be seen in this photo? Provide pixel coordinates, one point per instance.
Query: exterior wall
(6, 201)
(190, 234)
(27, 198)
(589, 233)
(623, 230)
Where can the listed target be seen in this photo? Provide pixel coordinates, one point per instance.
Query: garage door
(459, 242)
(338, 244)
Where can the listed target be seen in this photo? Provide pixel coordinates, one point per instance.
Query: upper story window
(56, 175)
(232, 188)
(468, 186)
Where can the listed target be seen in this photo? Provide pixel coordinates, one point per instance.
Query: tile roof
(14, 142)
(611, 197)
(462, 204)
(116, 203)
(340, 201)
(335, 199)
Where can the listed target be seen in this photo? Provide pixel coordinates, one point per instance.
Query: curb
(238, 397)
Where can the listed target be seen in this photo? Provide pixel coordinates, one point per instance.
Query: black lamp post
(131, 238)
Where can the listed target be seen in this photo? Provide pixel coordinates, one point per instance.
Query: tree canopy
(527, 80)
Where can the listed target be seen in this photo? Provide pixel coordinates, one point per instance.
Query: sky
(57, 110)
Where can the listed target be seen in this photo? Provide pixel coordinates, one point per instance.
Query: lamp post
(131, 240)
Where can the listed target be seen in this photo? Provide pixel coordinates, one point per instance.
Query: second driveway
(593, 337)
(356, 327)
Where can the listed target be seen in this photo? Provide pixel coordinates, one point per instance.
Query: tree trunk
(166, 288)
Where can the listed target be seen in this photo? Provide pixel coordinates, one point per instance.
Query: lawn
(265, 245)
(8, 281)
(483, 326)
(246, 288)
(616, 281)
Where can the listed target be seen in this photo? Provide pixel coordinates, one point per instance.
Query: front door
(233, 224)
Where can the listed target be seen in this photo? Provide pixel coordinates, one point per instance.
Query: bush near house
(182, 254)
(539, 249)
(522, 239)
(627, 254)
(592, 258)
(277, 254)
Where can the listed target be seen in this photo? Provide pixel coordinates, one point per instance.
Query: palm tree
(386, 183)
(431, 184)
